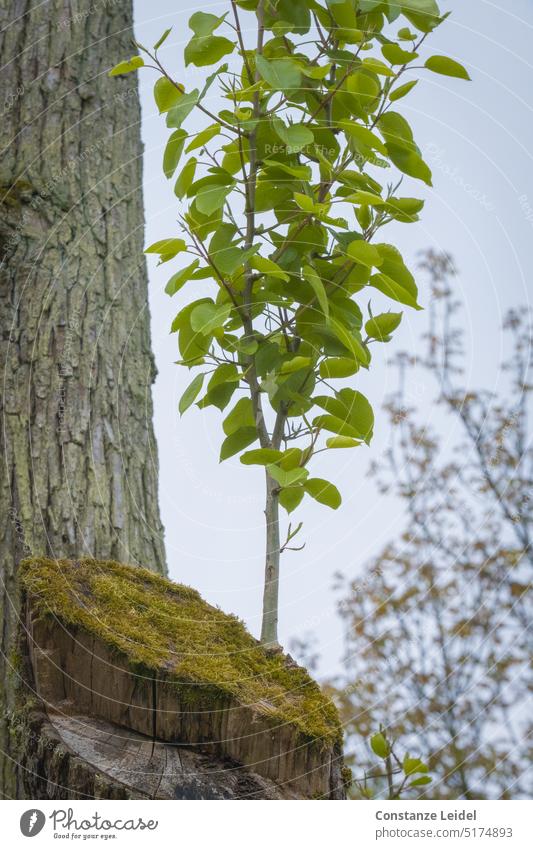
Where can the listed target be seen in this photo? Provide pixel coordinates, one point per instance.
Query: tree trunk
(78, 450)
(269, 628)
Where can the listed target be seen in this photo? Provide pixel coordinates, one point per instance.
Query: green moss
(166, 627)
(347, 776)
(16, 661)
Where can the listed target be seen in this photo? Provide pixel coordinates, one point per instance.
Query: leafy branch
(283, 204)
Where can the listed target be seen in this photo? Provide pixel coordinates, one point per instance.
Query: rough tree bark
(78, 452)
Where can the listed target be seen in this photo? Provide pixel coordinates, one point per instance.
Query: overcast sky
(477, 138)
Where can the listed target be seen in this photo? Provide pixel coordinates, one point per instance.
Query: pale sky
(477, 138)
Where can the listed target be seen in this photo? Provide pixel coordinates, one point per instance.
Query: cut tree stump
(143, 690)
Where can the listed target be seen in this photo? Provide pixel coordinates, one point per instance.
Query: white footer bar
(277, 826)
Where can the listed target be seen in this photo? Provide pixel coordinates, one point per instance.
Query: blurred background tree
(437, 629)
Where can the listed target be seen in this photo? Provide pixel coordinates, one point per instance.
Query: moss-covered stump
(119, 645)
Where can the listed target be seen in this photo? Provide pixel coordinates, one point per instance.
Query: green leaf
(183, 317)
(301, 172)
(173, 152)
(193, 346)
(419, 782)
(342, 442)
(202, 225)
(205, 136)
(127, 67)
(295, 364)
(191, 393)
(267, 358)
(304, 202)
(335, 424)
(211, 78)
(287, 477)
(268, 267)
(343, 14)
(230, 259)
(222, 384)
(401, 91)
(222, 239)
(413, 765)
(350, 341)
(292, 457)
(425, 7)
(294, 16)
(203, 23)
(163, 38)
(295, 136)
(207, 317)
(378, 67)
(397, 130)
(290, 497)
(405, 34)
(379, 745)
(221, 387)
(423, 14)
(381, 326)
(394, 54)
(367, 5)
(338, 367)
(180, 278)
(366, 89)
(242, 416)
(212, 197)
(224, 373)
(360, 413)
(167, 249)
(363, 135)
(394, 278)
(316, 72)
(176, 116)
(247, 93)
(394, 289)
(166, 94)
(409, 162)
(366, 254)
(317, 286)
(350, 408)
(362, 197)
(281, 74)
(236, 441)
(404, 209)
(206, 50)
(185, 179)
(166, 246)
(447, 67)
(323, 492)
(261, 457)
(232, 161)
